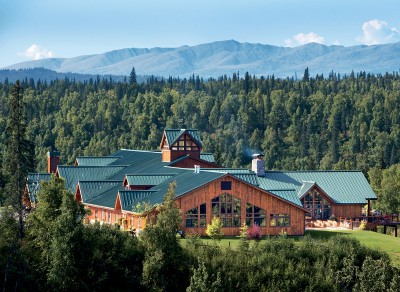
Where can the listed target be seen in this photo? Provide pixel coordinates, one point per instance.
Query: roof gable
(173, 135)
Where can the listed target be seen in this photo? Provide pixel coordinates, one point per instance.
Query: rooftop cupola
(258, 164)
(180, 142)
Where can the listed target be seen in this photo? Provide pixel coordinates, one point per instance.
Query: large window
(227, 208)
(255, 215)
(317, 206)
(185, 143)
(279, 220)
(196, 217)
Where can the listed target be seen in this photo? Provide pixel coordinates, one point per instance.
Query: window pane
(223, 208)
(203, 209)
(215, 208)
(229, 211)
(249, 208)
(229, 208)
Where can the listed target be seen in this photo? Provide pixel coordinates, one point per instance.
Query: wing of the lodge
(278, 201)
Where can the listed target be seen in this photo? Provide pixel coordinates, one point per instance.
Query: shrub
(214, 230)
(363, 225)
(254, 232)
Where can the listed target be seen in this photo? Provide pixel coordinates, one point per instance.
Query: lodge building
(278, 201)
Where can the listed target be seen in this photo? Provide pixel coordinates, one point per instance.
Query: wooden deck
(373, 222)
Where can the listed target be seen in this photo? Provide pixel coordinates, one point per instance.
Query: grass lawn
(374, 240)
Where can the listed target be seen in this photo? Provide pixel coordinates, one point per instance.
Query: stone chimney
(53, 159)
(258, 164)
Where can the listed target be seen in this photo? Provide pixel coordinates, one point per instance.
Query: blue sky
(32, 29)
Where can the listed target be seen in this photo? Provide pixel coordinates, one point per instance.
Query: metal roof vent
(197, 169)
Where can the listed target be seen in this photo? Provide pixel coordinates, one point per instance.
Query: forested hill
(315, 123)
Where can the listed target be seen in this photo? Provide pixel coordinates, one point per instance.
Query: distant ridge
(47, 75)
(226, 57)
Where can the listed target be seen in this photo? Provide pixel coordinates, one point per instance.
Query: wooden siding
(247, 194)
(190, 163)
(347, 211)
(169, 155)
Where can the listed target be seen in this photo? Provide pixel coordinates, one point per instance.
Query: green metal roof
(130, 198)
(186, 181)
(288, 195)
(207, 157)
(151, 179)
(107, 198)
(173, 135)
(344, 187)
(251, 178)
(73, 174)
(95, 161)
(92, 189)
(34, 185)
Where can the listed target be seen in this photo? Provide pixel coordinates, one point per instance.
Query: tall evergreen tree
(19, 154)
(132, 77)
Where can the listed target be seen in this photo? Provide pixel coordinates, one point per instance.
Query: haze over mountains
(226, 57)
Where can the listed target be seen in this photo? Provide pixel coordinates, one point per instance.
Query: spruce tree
(132, 77)
(19, 154)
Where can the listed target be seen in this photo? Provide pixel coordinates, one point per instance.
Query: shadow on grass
(324, 234)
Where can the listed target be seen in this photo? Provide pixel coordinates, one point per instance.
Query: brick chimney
(53, 159)
(258, 164)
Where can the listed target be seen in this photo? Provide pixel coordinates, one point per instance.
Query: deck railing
(354, 223)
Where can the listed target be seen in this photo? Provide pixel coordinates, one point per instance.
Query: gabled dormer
(176, 143)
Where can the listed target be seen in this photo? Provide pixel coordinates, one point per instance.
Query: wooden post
(369, 208)
(395, 231)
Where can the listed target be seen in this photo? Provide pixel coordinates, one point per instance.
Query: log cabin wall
(347, 211)
(247, 194)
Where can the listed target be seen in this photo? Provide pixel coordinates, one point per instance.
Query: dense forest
(313, 123)
(321, 122)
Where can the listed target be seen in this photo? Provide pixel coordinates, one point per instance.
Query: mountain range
(226, 57)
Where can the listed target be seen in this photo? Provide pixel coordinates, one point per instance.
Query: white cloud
(304, 38)
(378, 32)
(35, 52)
